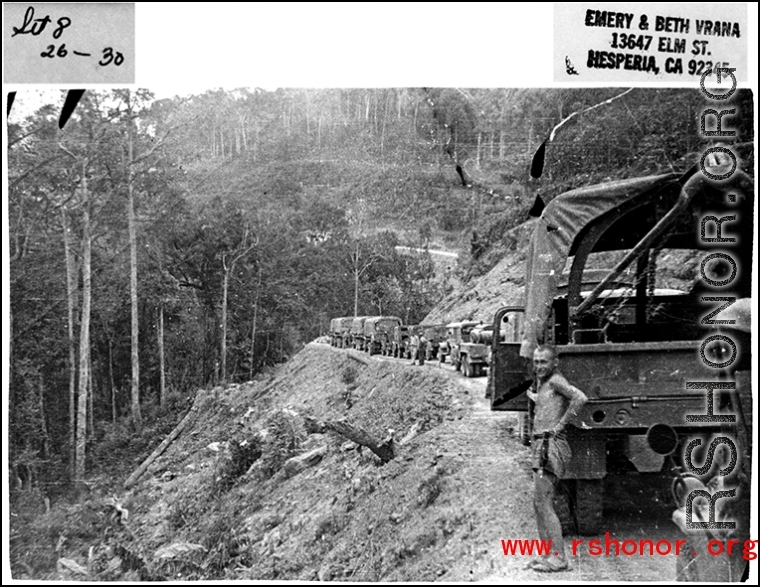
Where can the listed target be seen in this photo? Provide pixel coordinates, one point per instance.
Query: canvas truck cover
(380, 324)
(560, 223)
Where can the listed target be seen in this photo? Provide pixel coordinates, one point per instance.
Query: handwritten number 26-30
(109, 56)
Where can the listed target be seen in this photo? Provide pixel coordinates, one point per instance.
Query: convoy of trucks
(643, 348)
(466, 344)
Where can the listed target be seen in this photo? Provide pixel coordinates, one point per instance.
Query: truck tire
(441, 358)
(456, 364)
(588, 506)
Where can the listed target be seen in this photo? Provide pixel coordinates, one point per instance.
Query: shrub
(226, 540)
(242, 454)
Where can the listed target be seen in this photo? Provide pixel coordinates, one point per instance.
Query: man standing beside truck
(557, 401)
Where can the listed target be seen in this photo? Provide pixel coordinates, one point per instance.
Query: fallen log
(358, 358)
(385, 449)
(132, 479)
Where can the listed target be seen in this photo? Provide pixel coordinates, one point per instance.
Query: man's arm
(576, 398)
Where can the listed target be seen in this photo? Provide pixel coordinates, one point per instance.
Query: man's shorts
(551, 453)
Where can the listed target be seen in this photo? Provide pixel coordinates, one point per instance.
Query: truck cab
(476, 354)
(458, 337)
(377, 331)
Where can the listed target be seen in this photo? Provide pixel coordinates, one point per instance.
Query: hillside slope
(428, 514)
(224, 501)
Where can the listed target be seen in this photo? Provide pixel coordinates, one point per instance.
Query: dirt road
(494, 482)
(459, 484)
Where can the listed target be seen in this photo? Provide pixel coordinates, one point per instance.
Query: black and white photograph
(422, 328)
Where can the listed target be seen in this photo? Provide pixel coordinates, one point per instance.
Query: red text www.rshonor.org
(612, 547)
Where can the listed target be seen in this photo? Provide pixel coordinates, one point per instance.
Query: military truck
(400, 341)
(377, 331)
(435, 335)
(631, 340)
(339, 328)
(459, 350)
(356, 340)
(475, 355)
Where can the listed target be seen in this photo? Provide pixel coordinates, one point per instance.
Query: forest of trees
(159, 246)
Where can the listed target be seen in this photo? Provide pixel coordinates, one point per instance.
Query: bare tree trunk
(374, 100)
(228, 266)
(136, 415)
(90, 411)
(308, 116)
(253, 328)
(382, 137)
(356, 281)
(225, 288)
(161, 363)
(71, 288)
(205, 369)
(84, 335)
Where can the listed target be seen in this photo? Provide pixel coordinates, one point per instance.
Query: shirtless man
(557, 401)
